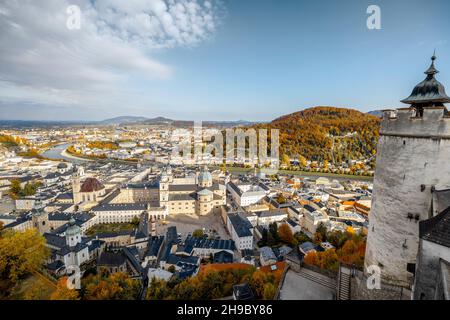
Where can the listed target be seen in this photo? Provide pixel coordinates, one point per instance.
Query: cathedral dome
(204, 176)
(91, 185)
(429, 92)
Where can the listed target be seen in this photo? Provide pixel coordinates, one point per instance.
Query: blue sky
(260, 59)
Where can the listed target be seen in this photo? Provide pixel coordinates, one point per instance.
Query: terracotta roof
(91, 184)
(437, 229)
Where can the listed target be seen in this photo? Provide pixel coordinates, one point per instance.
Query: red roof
(90, 185)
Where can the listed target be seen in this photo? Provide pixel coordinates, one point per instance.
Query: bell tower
(76, 185)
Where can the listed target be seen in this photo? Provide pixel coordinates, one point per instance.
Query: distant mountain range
(121, 121)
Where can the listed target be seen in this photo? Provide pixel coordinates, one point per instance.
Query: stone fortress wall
(413, 158)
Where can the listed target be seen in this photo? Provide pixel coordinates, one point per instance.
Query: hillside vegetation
(327, 133)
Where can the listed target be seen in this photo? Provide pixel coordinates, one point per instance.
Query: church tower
(153, 232)
(412, 160)
(76, 185)
(39, 218)
(166, 179)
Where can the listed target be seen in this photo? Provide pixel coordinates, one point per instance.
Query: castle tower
(412, 159)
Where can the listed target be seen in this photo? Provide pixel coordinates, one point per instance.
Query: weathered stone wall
(360, 291)
(412, 155)
(427, 273)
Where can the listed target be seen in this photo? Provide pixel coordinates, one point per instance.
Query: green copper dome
(73, 229)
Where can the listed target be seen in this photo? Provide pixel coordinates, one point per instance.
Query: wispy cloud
(43, 62)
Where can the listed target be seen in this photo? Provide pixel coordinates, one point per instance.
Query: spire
(429, 92)
(432, 70)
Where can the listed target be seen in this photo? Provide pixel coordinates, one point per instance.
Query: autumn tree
(114, 286)
(303, 162)
(63, 292)
(318, 238)
(322, 230)
(258, 281)
(353, 252)
(158, 290)
(285, 234)
(285, 159)
(269, 291)
(20, 254)
(281, 199)
(311, 258)
(35, 292)
(327, 259)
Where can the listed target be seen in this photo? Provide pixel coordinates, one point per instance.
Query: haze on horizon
(213, 59)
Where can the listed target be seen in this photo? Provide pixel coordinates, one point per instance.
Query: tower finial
(432, 69)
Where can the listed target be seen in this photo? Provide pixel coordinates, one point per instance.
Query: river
(57, 153)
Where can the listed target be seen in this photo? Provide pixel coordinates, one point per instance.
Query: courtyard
(298, 287)
(211, 224)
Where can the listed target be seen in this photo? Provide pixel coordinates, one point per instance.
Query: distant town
(114, 196)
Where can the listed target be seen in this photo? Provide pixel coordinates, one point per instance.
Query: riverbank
(59, 152)
(66, 154)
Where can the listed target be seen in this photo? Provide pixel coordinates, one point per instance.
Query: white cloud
(42, 61)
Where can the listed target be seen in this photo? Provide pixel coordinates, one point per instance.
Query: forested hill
(327, 133)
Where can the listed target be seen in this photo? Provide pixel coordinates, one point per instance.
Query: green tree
(322, 229)
(135, 221)
(198, 233)
(301, 237)
(15, 188)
